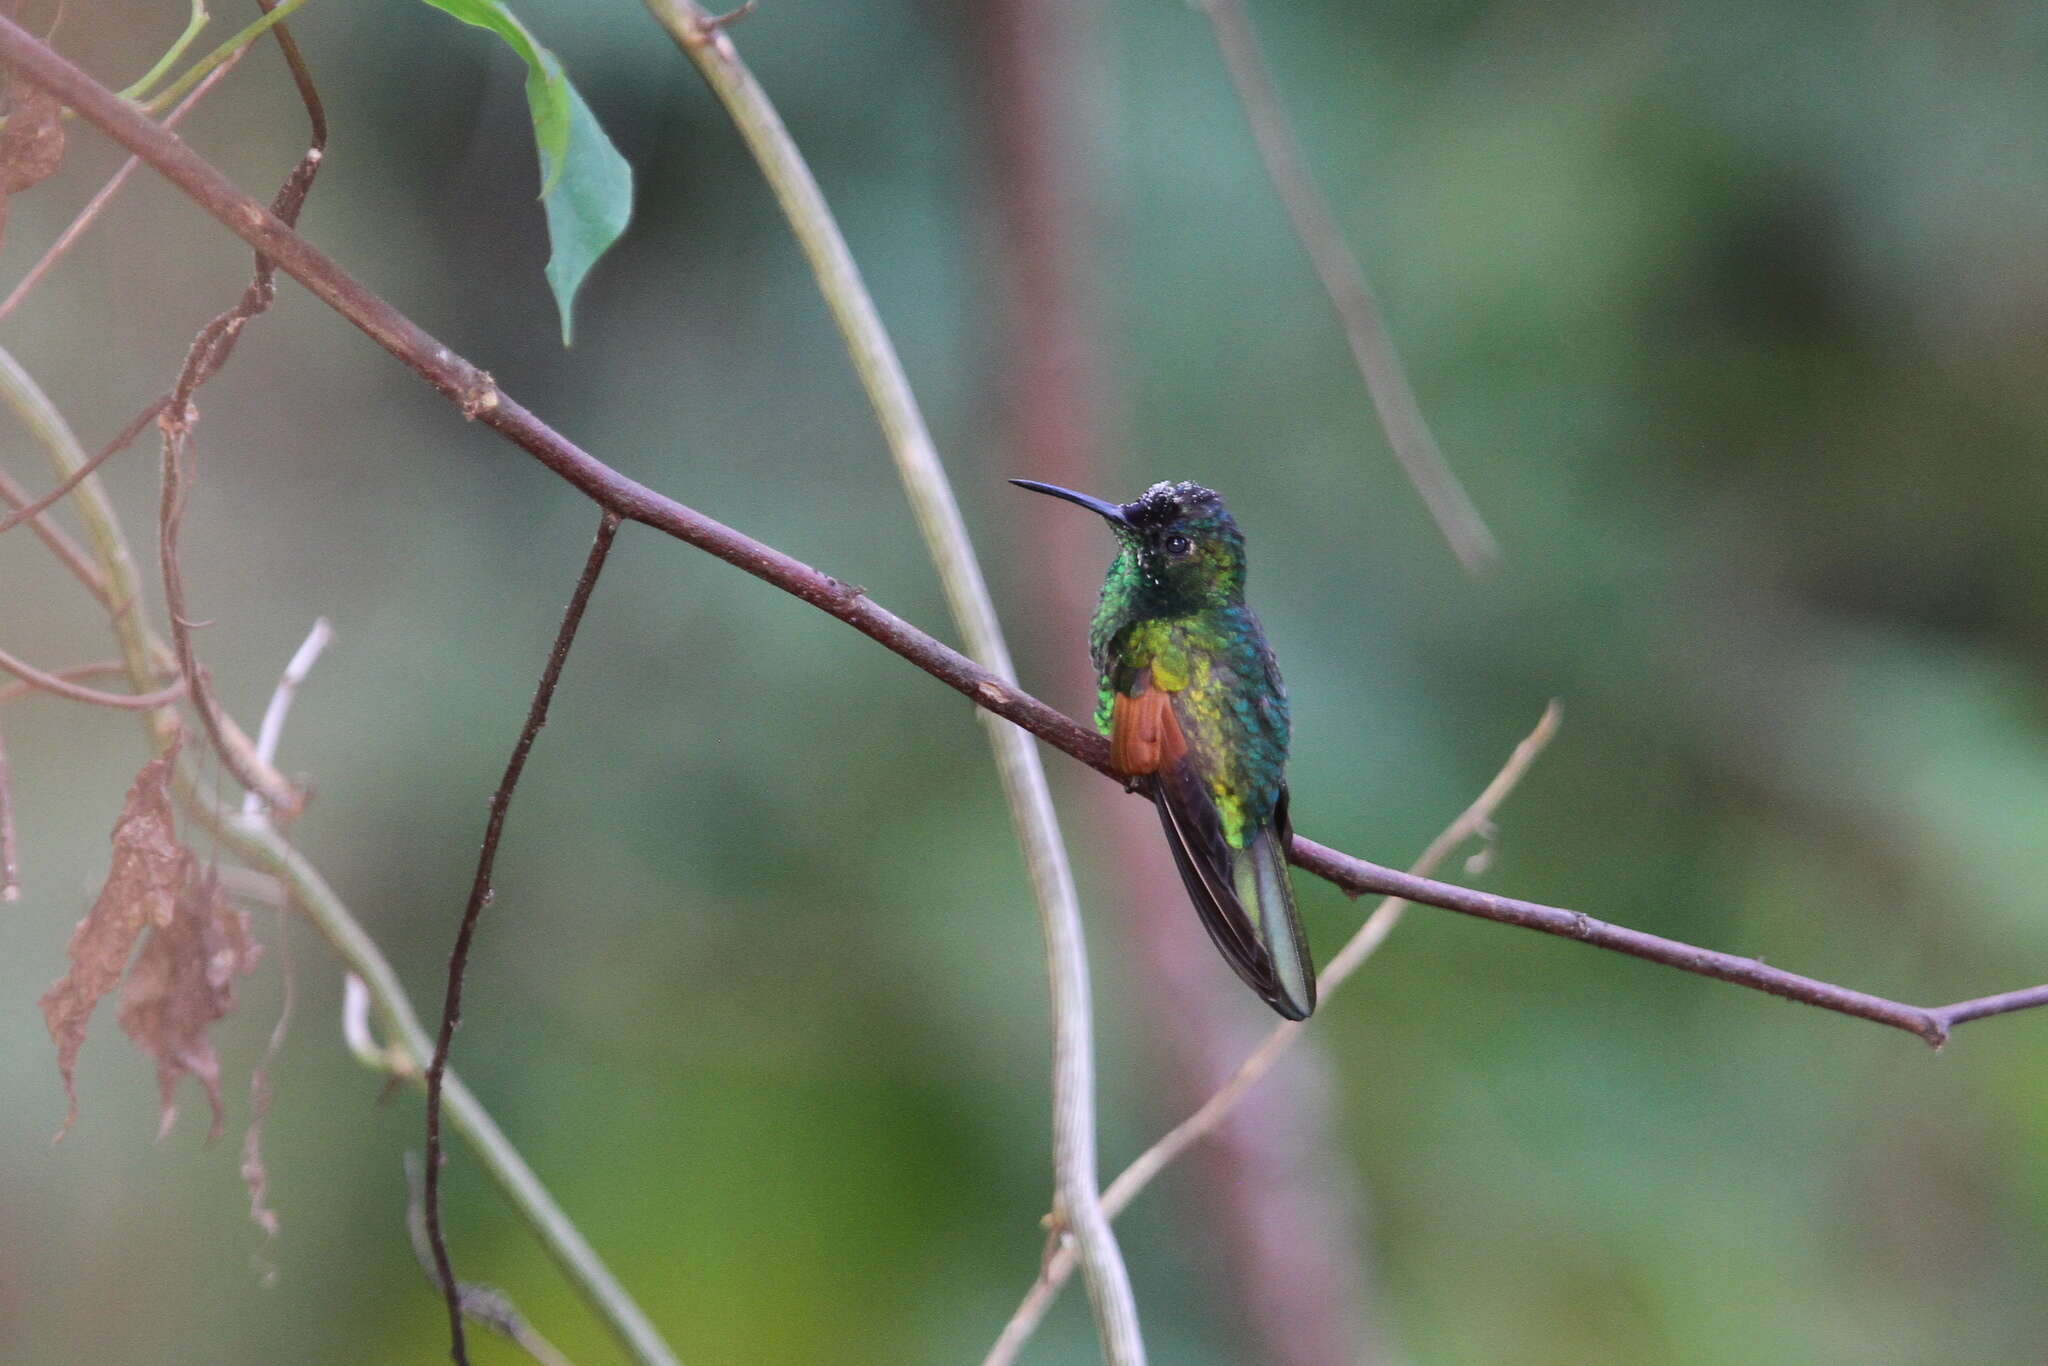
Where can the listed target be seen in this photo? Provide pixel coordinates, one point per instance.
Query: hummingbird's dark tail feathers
(1242, 895)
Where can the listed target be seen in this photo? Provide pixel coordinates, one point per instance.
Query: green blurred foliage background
(1732, 318)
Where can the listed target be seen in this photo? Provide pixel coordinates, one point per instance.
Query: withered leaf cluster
(194, 946)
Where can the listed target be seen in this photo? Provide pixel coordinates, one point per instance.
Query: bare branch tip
(1934, 1029)
(711, 24)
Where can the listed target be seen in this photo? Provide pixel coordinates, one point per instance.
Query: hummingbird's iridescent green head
(1180, 549)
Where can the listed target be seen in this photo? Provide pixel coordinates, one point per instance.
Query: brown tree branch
(479, 398)
(480, 893)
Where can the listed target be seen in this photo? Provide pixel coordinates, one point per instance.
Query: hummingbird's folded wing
(1195, 834)
(1144, 733)
(1241, 895)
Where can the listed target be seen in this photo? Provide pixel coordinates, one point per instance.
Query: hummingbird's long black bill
(1096, 505)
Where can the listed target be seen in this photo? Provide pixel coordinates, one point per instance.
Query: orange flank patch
(1144, 733)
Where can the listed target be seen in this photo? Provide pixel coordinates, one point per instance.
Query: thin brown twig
(105, 196)
(112, 580)
(10, 855)
(105, 668)
(1343, 279)
(208, 353)
(485, 1305)
(480, 893)
(478, 397)
(78, 476)
(1474, 820)
(67, 551)
(729, 18)
(283, 800)
(302, 79)
(57, 683)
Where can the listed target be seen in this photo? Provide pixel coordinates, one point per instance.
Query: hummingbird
(1196, 716)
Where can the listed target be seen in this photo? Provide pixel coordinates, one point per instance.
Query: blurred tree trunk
(1281, 1208)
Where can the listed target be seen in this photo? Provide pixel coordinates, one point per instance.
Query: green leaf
(589, 204)
(586, 187)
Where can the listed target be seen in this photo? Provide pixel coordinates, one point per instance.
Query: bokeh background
(1732, 318)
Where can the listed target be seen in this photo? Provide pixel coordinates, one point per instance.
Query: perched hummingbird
(1195, 713)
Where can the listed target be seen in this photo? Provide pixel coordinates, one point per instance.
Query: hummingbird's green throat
(1195, 712)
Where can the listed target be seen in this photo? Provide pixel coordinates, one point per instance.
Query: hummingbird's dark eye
(1178, 546)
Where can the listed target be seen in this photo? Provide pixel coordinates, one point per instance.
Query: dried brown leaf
(182, 981)
(32, 143)
(150, 869)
